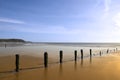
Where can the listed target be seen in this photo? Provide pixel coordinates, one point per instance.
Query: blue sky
(61, 20)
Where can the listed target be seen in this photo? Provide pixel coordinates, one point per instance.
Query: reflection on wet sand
(105, 68)
(45, 73)
(81, 62)
(16, 76)
(61, 69)
(75, 65)
(90, 60)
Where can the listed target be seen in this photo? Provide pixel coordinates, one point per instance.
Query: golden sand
(106, 67)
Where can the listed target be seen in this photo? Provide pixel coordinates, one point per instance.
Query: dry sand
(106, 67)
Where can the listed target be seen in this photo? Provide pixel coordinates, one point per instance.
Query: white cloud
(116, 19)
(8, 20)
(107, 5)
(107, 8)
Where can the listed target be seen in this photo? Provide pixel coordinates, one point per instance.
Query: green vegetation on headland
(12, 40)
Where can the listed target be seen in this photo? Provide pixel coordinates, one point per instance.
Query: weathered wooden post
(107, 50)
(113, 50)
(5, 45)
(46, 59)
(17, 63)
(116, 49)
(81, 53)
(61, 56)
(90, 53)
(100, 53)
(75, 55)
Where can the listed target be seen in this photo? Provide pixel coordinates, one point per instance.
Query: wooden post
(61, 56)
(75, 55)
(107, 50)
(17, 63)
(81, 53)
(46, 59)
(113, 50)
(100, 53)
(116, 49)
(90, 53)
(5, 45)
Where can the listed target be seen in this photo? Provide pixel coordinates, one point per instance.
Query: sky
(60, 20)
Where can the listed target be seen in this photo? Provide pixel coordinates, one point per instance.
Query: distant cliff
(12, 40)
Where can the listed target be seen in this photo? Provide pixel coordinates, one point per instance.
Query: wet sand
(106, 67)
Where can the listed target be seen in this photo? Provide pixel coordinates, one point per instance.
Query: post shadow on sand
(8, 71)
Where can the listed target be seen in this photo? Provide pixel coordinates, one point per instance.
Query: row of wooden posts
(60, 59)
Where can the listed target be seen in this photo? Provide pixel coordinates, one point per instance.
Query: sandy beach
(106, 67)
(59, 39)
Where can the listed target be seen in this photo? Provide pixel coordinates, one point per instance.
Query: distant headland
(12, 40)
